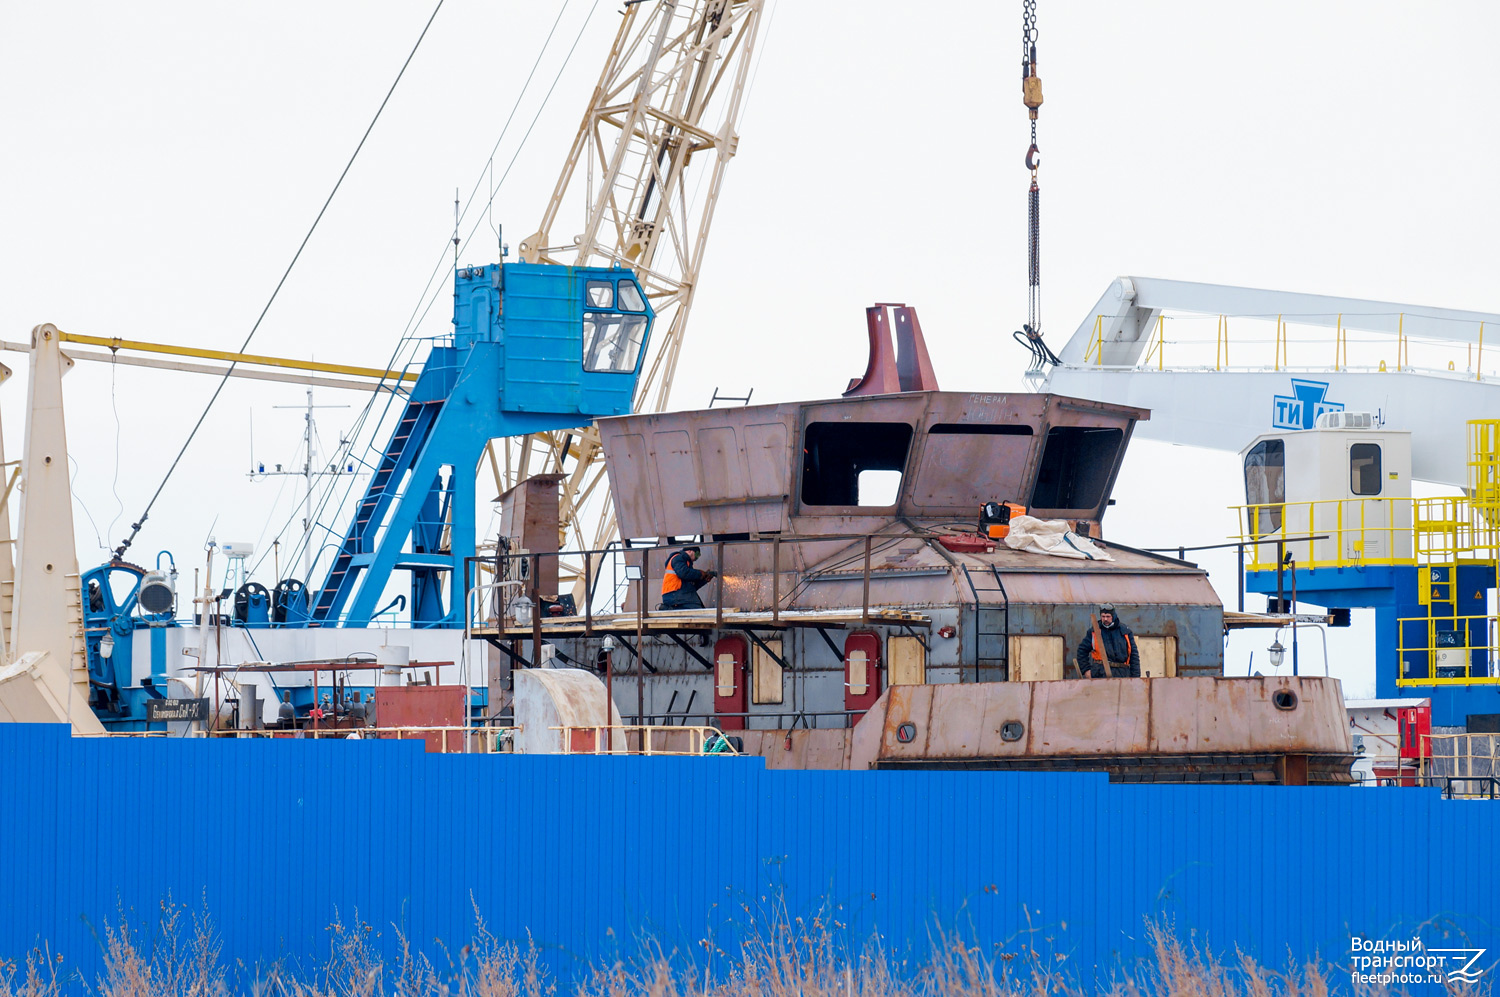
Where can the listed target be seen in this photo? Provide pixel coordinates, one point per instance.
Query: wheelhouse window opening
(1075, 468)
(1364, 468)
(1265, 486)
(978, 429)
(994, 458)
(854, 463)
(879, 488)
(612, 340)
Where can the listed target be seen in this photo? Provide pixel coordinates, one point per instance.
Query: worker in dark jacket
(681, 582)
(1120, 648)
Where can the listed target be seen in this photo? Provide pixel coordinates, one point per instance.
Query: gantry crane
(647, 167)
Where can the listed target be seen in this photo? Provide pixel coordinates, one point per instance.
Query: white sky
(162, 161)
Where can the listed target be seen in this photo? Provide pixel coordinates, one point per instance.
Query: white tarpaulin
(1051, 536)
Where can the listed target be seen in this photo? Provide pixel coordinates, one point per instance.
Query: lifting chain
(1031, 96)
(1031, 83)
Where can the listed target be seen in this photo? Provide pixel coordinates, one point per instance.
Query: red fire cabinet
(1415, 726)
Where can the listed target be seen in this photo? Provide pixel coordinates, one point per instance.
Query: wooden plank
(1037, 658)
(1158, 656)
(906, 661)
(737, 500)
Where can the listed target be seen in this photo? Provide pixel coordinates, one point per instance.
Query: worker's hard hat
(694, 548)
(1107, 608)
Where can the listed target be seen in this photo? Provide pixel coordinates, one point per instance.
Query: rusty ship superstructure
(862, 618)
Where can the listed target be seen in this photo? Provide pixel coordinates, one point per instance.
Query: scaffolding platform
(700, 620)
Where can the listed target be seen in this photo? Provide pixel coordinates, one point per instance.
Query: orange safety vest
(1098, 653)
(669, 581)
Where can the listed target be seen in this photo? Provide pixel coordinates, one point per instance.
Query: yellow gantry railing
(1154, 342)
(1484, 469)
(1437, 536)
(1095, 351)
(1447, 650)
(1353, 532)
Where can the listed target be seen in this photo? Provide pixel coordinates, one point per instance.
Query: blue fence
(587, 855)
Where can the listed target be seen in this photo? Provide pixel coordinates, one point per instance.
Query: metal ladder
(398, 457)
(991, 623)
(1438, 546)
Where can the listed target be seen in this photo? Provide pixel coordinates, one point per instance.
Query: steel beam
(238, 358)
(196, 368)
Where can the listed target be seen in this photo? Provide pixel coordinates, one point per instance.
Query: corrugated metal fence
(589, 855)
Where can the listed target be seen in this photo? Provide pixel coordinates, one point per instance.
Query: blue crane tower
(535, 347)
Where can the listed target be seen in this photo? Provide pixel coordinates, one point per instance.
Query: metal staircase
(1457, 546)
(517, 364)
(397, 460)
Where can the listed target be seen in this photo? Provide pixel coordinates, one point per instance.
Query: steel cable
(420, 313)
(135, 528)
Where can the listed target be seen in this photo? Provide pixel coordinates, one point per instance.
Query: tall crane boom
(647, 166)
(1197, 397)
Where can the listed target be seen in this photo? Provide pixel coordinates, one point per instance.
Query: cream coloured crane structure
(43, 675)
(1219, 365)
(639, 188)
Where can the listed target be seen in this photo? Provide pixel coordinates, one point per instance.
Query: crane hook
(1031, 161)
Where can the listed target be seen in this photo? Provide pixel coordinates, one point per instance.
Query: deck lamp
(1278, 654)
(107, 645)
(520, 611)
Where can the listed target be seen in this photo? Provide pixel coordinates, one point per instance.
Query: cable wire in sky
(419, 313)
(135, 527)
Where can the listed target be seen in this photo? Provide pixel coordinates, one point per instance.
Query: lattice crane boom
(647, 164)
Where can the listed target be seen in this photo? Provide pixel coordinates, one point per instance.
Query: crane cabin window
(601, 293)
(1364, 468)
(630, 297)
(1265, 486)
(854, 463)
(611, 340)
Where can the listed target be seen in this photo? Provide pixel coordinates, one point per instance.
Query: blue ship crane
(536, 347)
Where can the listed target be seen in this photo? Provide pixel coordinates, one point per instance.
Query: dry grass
(182, 957)
(793, 958)
(37, 977)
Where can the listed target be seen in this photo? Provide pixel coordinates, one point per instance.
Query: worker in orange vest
(681, 582)
(1119, 647)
